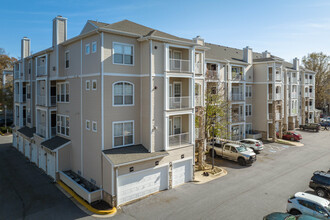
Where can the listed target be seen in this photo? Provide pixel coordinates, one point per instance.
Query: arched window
(123, 93)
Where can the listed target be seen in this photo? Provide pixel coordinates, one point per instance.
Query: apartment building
(110, 112)
(264, 91)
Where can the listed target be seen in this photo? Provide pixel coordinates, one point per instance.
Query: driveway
(28, 193)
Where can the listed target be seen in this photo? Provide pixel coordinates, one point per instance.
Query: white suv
(256, 145)
(304, 203)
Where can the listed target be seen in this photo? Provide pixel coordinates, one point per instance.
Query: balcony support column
(166, 134)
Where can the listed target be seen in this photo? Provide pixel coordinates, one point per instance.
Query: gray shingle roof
(26, 131)
(131, 154)
(55, 142)
(131, 27)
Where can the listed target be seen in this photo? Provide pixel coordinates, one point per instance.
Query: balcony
(53, 100)
(53, 131)
(270, 96)
(237, 76)
(237, 97)
(41, 130)
(306, 94)
(212, 75)
(198, 101)
(236, 118)
(29, 119)
(179, 65)
(237, 137)
(277, 116)
(179, 140)
(198, 68)
(294, 111)
(278, 77)
(270, 116)
(41, 100)
(180, 102)
(294, 95)
(294, 80)
(41, 70)
(16, 74)
(278, 96)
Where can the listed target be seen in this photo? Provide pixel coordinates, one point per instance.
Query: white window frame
(113, 94)
(113, 133)
(94, 43)
(65, 128)
(67, 52)
(94, 123)
(248, 89)
(122, 44)
(88, 125)
(94, 80)
(58, 92)
(89, 49)
(248, 113)
(88, 85)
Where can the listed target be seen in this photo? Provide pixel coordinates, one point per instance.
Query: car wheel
(321, 192)
(295, 212)
(241, 161)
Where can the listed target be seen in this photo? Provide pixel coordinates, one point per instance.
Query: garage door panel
(51, 165)
(42, 159)
(181, 172)
(27, 149)
(20, 144)
(137, 185)
(34, 153)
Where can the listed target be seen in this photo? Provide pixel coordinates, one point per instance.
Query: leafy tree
(319, 63)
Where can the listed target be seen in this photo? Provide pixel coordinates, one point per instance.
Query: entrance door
(177, 92)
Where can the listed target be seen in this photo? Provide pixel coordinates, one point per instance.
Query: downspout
(150, 84)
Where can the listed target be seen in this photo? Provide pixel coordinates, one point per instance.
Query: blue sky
(285, 28)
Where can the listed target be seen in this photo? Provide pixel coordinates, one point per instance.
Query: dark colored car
(320, 182)
(325, 123)
(287, 216)
(310, 126)
(291, 135)
(9, 122)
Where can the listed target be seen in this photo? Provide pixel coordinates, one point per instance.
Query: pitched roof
(26, 131)
(143, 31)
(55, 142)
(131, 154)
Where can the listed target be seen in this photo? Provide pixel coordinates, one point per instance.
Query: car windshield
(241, 148)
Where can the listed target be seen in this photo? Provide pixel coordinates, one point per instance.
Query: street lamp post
(6, 118)
(213, 147)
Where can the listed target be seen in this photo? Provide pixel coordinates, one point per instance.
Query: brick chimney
(59, 30)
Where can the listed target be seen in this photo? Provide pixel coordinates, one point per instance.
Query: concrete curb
(82, 202)
(199, 179)
(296, 144)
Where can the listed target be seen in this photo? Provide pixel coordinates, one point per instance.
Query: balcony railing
(53, 100)
(41, 70)
(41, 100)
(53, 131)
(306, 94)
(294, 80)
(212, 75)
(237, 96)
(294, 95)
(277, 116)
(236, 137)
(198, 101)
(16, 74)
(270, 77)
(270, 116)
(16, 97)
(306, 81)
(237, 76)
(278, 96)
(178, 140)
(237, 118)
(179, 102)
(278, 77)
(41, 130)
(179, 65)
(198, 68)
(270, 96)
(294, 111)
(29, 120)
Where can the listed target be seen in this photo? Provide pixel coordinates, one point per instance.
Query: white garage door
(14, 140)
(136, 185)
(51, 165)
(20, 144)
(42, 159)
(27, 149)
(34, 153)
(181, 172)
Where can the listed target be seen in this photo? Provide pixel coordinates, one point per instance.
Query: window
(63, 125)
(63, 92)
(248, 110)
(248, 129)
(123, 93)
(94, 84)
(94, 47)
(88, 84)
(88, 125)
(87, 49)
(94, 126)
(67, 59)
(123, 133)
(248, 92)
(28, 91)
(123, 54)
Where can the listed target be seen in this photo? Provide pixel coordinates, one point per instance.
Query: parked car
(287, 216)
(324, 123)
(310, 126)
(308, 204)
(290, 135)
(235, 152)
(254, 144)
(320, 182)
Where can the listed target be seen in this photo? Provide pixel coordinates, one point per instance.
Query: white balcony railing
(180, 102)
(41, 130)
(41, 70)
(294, 95)
(306, 94)
(212, 75)
(16, 74)
(277, 116)
(237, 96)
(294, 80)
(41, 100)
(178, 140)
(237, 137)
(198, 68)
(237, 76)
(270, 96)
(278, 96)
(237, 118)
(198, 101)
(270, 116)
(278, 77)
(179, 65)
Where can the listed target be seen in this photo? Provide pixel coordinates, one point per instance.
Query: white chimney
(199, 40)
(59, 30)
(25, 47)
(266, 54)
(296, 64)
(248, 55)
